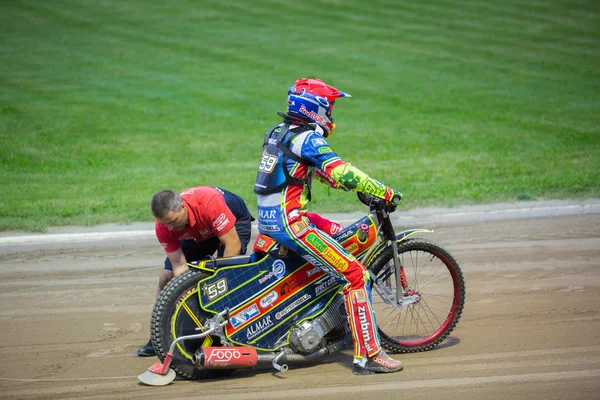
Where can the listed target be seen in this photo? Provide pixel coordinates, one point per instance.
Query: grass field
(454, 102)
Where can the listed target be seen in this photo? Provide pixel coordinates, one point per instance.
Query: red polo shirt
(208, 214)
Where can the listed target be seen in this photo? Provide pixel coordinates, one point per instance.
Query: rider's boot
(381, 362)
(146, 350)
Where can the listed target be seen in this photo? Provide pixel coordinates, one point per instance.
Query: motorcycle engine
(307, 337)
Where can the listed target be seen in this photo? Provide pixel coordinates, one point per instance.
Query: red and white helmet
(312, 99)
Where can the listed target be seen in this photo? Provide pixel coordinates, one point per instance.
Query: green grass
(105, 102)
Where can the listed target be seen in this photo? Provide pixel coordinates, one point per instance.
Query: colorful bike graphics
(267, 297)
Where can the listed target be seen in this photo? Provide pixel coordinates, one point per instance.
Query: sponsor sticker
(220, 219)
(335, 228)
(359, 296)
(259, 327)
(285, 289)
(299, 227)
(277, 271)
(269, 228)
(244, 316)
(344, 235)
(221, 222)
(316, 242)
(292, 306)
(279, 268)
(291, 286)
(313, 115)
(269, 299)
(352, 248)
(332, 182)
(223, 356)
(318, 142)
(267, 215)
(294, 216)
(365, 326)
(335, 259)
(324, 285)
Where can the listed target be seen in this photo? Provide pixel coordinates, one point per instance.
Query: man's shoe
(380, 363)
(147, 350)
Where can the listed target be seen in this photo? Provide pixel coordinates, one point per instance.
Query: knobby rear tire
(182, 288)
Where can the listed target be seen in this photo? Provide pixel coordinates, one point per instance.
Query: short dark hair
(164, 201)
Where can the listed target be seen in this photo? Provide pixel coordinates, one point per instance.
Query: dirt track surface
(70, 323)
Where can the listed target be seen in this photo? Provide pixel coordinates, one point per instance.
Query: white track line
(76, 237)
(101, 378)
(485, 212)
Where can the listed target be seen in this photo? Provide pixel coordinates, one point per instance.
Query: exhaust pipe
(232, 357)
(235, 357)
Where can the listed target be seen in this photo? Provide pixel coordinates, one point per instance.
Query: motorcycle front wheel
(434, 293)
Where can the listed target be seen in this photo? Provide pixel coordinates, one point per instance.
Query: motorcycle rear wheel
(434, 276)
(177, 313)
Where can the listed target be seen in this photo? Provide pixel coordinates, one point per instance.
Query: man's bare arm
(179, 262)
(232, 243)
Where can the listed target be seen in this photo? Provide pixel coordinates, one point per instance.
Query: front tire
(177, 313)
(433, 277)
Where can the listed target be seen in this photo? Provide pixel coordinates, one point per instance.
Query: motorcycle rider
(293, 152)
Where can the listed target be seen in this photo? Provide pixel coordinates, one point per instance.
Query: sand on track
(71, 321)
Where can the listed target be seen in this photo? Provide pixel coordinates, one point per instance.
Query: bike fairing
(283, 185)
(264, 320)
(285, 291)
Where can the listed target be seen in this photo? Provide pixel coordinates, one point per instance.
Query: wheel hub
(413, 295)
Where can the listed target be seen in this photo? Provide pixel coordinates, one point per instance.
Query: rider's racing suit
(292, 154)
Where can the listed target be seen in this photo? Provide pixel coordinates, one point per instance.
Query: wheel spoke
(432, 288)
(438, 322)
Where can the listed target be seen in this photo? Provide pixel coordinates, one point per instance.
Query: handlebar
(374, 203)
(383, 210)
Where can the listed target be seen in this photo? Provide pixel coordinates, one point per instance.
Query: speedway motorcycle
(274, 307)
